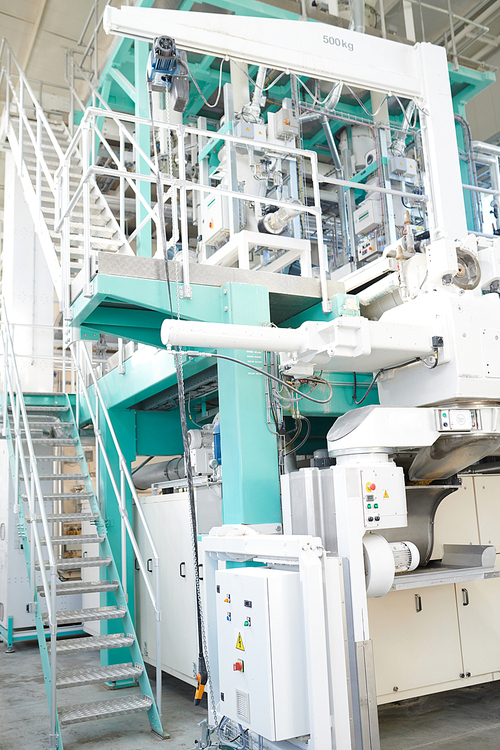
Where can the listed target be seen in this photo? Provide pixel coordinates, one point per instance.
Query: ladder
(43, 439)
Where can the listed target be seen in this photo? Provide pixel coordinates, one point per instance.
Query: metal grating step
(66, 459)
(89, 675)
(75, 539)
(66, 495)
(47, 409)
(93, 643)
(53, 441)
(54, 477)
(82, 587)
(75, 563)
(66, 517)
(104, 709)
(87, 615)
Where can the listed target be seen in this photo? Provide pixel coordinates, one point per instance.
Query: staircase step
(75, 539)
(104, 709)
(87, 615)
(54, 477)
(65, 495)
(75, 563)
(89, 675)
(53, 441)
(64, 459)
(66, 517)
(48, 409)
(82, 587)
(93, 643)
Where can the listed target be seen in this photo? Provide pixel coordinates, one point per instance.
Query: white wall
(483, 112)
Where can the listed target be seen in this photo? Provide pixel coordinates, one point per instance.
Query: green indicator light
(444, 414)
(369, 505)
(376, 505)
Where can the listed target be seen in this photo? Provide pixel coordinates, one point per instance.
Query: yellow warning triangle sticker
(239, 643)
(386, 494)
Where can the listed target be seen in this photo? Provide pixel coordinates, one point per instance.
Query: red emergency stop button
(373, 487)
(238, 666)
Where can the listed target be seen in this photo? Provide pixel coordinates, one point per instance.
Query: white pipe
(486, 148)
(224, 336)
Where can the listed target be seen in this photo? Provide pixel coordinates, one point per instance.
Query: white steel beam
(331, 54)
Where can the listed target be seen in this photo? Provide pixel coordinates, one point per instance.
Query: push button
(238, 666)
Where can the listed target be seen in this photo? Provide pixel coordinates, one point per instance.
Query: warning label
(239, 643)
(386, 494)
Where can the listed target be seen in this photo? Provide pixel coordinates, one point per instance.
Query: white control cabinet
(261, 643)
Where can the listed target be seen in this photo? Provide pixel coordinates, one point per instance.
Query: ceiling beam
(32, 37)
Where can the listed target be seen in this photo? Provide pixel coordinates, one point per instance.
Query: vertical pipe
(326, 304)
(87, 291)
(122, 182)
(158, 637)
(422, 25)
(382, 19)
(4, 383)
(39, 165)
(357, 22)
(121, 364)
(97, 457)
(72, 97)
(181, 150)
(33, 517)
(7, 89)
(21, 121)
(53, 653)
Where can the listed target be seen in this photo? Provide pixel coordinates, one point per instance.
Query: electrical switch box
(287, 124)
(384, 497)
(401, 166)
(261, 646)
(367, 217)
(215, 221)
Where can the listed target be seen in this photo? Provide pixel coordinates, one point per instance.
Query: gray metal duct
(163, 471)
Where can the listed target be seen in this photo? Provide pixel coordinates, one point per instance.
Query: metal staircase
(39, 147)
(53, 506)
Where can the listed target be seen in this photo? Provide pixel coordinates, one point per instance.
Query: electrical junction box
(287, 124)
(384, 497)
(457, 420)
(215, 222)
(261, 646)
(402, 166)
(367, 217)
(256, 131)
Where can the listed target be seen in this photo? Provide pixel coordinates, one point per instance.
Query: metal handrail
(125, 477)
(13, 391)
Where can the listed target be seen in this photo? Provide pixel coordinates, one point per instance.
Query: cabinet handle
(200, 571)
(465, 597)
(418, 602)
(136, 564)
(182, 570)
(150, 569)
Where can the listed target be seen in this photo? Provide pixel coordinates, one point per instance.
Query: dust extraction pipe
(223, 336)
(163, 471)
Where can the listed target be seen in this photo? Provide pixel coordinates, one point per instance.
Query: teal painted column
(123, 421)
(250, 477)
(141, 54)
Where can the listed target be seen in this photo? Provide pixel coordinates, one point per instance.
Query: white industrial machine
(289, 644)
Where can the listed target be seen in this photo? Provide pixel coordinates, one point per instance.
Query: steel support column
(142, 134)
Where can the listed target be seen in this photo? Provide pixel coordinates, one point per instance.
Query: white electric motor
(383, 560)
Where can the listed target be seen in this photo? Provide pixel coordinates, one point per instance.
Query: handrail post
(53, 654)
(87, 288)
(158, 636)
(123, 533)
(122, 182)
(31, 505)
(4, 383)
(38, 183)
(326, 304)
(65, 243)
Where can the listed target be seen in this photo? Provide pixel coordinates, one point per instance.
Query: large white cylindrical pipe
(228, 336)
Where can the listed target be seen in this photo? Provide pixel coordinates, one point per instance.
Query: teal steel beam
(123, 82)
(144, 245)
(144, 295)
(249, 449)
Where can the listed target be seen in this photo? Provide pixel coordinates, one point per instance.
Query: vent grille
(243, 705)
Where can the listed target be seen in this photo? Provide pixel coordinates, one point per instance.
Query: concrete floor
(459, 719)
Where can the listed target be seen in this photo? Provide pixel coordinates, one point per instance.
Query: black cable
(202, 667)
(141, 465)
(268, 375)
(305, 439)
(387, 369)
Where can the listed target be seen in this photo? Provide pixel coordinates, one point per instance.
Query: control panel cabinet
(261, 645)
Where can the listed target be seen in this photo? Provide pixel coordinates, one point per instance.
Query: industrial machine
(417, 308)
(344, 291)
